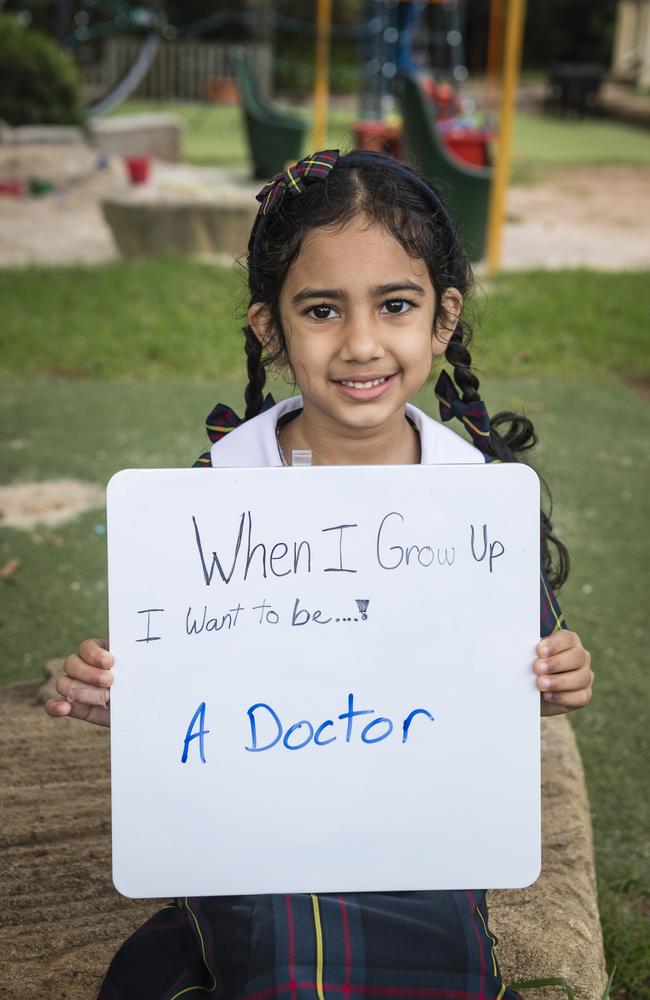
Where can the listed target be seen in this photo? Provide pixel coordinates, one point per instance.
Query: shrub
(38, 83)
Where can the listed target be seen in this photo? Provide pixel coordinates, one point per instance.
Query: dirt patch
(52, 502)
(580, 217)
(640, 385)
(61, 920)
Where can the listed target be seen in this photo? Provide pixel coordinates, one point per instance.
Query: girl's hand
(564, 674)
(85, 684)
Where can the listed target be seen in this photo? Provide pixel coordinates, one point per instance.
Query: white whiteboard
(236, 588)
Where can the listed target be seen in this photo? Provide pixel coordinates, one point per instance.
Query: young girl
(357, 282)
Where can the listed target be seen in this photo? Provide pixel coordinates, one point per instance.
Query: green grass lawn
(117, 366)
(159, 318)
(553, 141)
(213, 135)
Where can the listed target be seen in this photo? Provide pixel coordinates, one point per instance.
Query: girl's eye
(319, 312)
(394, 306)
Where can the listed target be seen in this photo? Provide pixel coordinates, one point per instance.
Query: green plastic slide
(465, 189)
(274, 138)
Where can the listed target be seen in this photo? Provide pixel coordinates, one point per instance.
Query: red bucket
(470, 145)
(139, 168)
(12, 189)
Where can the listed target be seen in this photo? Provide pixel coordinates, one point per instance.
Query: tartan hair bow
(473, 415)
(314, 167)
(221, 420)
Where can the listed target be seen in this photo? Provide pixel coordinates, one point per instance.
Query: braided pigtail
(256, 374)
(458, 356)
(510, 435)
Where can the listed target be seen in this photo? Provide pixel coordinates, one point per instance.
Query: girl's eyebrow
(398, 286)
(318, 293)
(340, 293)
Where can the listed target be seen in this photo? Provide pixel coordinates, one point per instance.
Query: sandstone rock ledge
(552, 928)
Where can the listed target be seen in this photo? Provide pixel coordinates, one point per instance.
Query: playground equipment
(389, 37)
(514, 37)
(479, 207)
(394, 32)
(274, 138)
(130, 81)
(322, 74)
(466, 189)
(147, 21)
(388, 44)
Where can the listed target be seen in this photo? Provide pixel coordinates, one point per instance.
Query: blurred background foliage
(38, 83)
(556, 31)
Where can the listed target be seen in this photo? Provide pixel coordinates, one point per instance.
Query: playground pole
(494, 53)
(321, 82)
(512, 65)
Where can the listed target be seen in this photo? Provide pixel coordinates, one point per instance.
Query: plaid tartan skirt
(312, 947)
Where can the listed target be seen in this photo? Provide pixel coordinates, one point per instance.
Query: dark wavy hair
(409, 207)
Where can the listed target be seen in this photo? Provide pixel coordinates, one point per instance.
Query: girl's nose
(361, 340)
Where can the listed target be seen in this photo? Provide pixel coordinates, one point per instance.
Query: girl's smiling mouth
(365, 386)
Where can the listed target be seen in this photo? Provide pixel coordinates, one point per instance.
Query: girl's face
(358, 317)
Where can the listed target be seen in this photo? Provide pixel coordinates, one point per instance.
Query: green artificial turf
(595, 453)
(158, 318)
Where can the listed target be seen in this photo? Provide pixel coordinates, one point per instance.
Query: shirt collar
(254, 444)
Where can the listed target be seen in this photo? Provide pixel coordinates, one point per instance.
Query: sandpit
(51, 502)
(580, 217)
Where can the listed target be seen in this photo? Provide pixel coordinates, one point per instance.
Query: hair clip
(222, 419)
(474, 415)
(314, 167)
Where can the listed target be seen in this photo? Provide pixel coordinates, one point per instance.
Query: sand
(581, 217)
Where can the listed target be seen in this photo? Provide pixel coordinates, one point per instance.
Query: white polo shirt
(254, 444)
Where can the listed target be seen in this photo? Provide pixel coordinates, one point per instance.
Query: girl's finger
(95, 652)
(79, 670)
(572, 680)
(570, 659)
(558, 641)
(76, 692)
(95, 714)
(569, 699)
(89, 713)
(57, 708)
